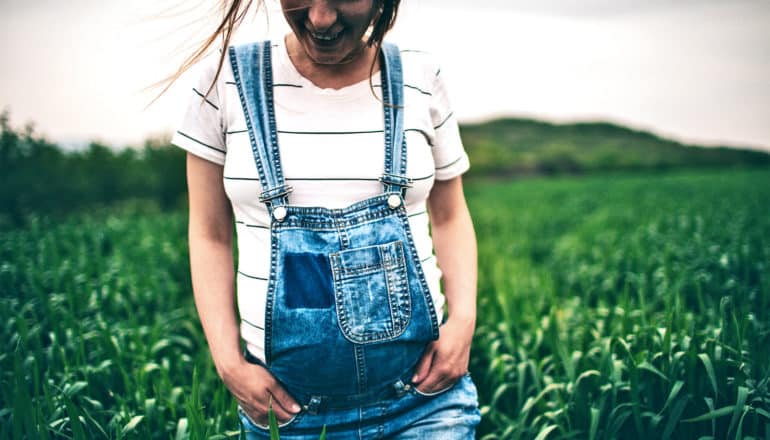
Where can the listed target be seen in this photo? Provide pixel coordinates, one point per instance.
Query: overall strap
(253, 74)
(392, 79)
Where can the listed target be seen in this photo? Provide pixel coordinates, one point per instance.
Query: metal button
(279, 213)
(394, 201)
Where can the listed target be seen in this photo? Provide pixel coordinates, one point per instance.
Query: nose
(322, 15)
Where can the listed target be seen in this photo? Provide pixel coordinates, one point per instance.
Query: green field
(616, 306)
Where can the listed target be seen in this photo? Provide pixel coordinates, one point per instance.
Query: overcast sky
(694, 70)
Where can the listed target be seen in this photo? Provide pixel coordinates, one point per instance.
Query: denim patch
(307, 281)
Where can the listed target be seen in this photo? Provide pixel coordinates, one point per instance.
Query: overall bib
(348, 310)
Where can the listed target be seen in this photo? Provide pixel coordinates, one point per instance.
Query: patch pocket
(371, 292)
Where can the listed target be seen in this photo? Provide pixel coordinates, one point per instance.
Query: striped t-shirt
(332, 152)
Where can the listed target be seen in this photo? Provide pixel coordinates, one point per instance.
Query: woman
(325, 147)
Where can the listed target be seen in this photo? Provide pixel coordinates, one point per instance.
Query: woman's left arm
(445, 360)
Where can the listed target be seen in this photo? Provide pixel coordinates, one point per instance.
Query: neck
(332, 76)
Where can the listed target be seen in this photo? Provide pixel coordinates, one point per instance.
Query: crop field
(631, 306)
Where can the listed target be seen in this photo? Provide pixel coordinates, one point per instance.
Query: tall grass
(625, 307)
(614, 306)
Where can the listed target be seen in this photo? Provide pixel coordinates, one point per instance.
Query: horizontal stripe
(205, 99)
(418, 89)
(423, 133)
(409, 86)
(449, 164)
(253, 277)
(202, 143)
(417, 213)
(248, 225)
(334, 132)
(444, 121)
(332, 178)
(375, 179)
(252, 324)
(330, 132)
(240, 178)
(296, 86)
(426, 259)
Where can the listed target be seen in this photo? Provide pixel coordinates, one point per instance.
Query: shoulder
(420, 66)
(418, 60)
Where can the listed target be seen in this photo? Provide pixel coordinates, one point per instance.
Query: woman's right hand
(255, 389)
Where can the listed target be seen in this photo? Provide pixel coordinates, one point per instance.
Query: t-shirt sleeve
(448, 152)
(201, 131)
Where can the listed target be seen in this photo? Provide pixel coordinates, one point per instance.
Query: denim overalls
(348, 310)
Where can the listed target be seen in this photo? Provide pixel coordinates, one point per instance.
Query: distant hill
(521, 147)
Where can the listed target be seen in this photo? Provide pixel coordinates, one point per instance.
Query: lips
(326, 40)
(326, 37)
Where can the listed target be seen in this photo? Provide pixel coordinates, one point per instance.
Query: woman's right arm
(210, 235)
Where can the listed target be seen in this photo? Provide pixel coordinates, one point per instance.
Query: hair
(234, 11)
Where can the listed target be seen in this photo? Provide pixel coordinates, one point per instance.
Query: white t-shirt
(332, 152)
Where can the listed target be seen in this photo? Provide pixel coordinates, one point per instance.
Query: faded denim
(348, 310)
(449, 415)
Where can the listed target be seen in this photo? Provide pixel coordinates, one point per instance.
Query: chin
(344, 54)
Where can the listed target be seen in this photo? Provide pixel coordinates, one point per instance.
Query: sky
(697, 71)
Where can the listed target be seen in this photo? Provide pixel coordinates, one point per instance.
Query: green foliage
(38, 177)
(101, 336)
(609, 307)
(523, 147)
(624, 307)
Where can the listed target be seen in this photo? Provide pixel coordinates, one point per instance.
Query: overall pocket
(248, 422)
(371, 292)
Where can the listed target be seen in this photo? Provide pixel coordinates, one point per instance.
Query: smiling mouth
(326, 37)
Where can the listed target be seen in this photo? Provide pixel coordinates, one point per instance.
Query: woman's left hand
(445, 360)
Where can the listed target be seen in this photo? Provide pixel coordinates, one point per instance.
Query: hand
(255, 389)
(445, 360)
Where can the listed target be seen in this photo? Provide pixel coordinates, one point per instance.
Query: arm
(446, 359)
(211, 265)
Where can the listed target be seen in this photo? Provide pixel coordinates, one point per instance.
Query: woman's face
(330, 31)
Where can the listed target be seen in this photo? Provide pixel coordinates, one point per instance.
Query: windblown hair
(234, 11)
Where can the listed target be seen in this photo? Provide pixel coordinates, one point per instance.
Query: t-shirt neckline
(347, 93)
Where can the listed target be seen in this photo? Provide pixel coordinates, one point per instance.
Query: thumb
(423, 366)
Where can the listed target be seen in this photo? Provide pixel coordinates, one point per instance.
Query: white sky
(694, 70)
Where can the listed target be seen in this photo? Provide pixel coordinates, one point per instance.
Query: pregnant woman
(337, 158)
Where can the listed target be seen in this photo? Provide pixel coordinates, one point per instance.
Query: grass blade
(323, 433)
(673, 418)
(711, 415)
(740, 406)
(272, 421)
(543, 434)
(710, 371)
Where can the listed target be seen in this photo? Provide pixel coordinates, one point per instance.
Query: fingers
(258, 411)
(261, 392)
(423, 366)
(439, 368)
(282, 401)
(435, 380)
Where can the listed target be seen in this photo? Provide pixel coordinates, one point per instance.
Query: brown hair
(234, 12)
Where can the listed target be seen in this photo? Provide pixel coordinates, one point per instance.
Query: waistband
(315, 403)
